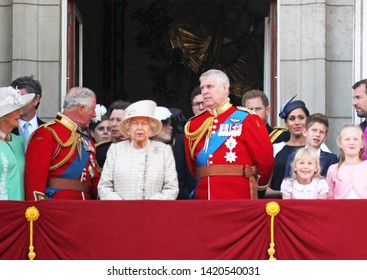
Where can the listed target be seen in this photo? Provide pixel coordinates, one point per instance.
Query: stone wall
(32, 46)
(316, 58)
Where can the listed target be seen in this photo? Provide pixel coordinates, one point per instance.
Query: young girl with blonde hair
(348, 178)
(306, 182)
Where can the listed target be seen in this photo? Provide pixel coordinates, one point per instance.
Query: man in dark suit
(186, 182)
(29, 121)
(360, 101)
(257, 101)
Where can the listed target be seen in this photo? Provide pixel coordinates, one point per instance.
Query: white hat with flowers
(100, 112)
(11, 99)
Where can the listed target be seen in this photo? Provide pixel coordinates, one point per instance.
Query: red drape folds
(190, 230)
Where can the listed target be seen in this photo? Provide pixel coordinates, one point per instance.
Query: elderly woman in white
(139, 168)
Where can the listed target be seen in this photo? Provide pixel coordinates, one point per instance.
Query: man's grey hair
(220, 76)
(84, 97)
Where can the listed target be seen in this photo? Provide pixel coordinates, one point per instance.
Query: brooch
(231, 143)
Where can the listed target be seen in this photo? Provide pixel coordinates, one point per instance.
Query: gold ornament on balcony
(32, 215)
(272, 209)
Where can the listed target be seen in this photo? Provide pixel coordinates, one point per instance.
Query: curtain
(184, 230)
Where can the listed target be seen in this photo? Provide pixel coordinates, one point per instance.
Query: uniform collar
(221, 108)
(65, 121)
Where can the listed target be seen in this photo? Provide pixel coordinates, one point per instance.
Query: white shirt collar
(318, 151)
(33, 123)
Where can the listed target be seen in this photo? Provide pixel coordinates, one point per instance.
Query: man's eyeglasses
(197, 104)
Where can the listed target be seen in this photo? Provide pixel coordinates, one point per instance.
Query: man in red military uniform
(61, 159)
(227, 147)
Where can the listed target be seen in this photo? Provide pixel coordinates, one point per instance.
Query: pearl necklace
(5, 137)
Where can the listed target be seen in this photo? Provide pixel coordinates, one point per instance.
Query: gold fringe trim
(73, 141)
(32, 215)
(196, 136)
(272, 209)
(68, 143)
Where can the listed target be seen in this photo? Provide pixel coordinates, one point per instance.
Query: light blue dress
(12, 162)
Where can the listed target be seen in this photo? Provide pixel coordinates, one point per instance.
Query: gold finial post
(32, 215)
(272, 209)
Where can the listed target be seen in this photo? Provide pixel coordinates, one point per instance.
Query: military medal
(230, 157)
(79, 147)
(224, 130)
(87, 145)
(236, 129)
(83, 177)
(91, 171)
(230, 130)
(235, 120)
(220, 130)
(92, 161)
(231, 143)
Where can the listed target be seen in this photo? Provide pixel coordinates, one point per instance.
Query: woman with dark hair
(99, 127)
(115, 114)
(294, 113)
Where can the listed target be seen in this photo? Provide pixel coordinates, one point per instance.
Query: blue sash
(75, 169)
(215, 142)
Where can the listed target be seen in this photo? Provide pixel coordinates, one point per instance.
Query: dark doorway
(157, 49)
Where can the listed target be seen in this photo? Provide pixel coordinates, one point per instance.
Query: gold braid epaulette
(246, 110)
(102, 143)
(196, 136)
(73, 141)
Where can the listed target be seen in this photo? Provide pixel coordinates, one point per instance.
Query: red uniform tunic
(251, 147)
(52, 152)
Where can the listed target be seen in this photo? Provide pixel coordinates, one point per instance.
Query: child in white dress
(306, 182)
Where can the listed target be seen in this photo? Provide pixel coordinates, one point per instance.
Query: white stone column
(302, 54)
(35, 44)
(5, 42)
(316, 57)
(360, 46)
